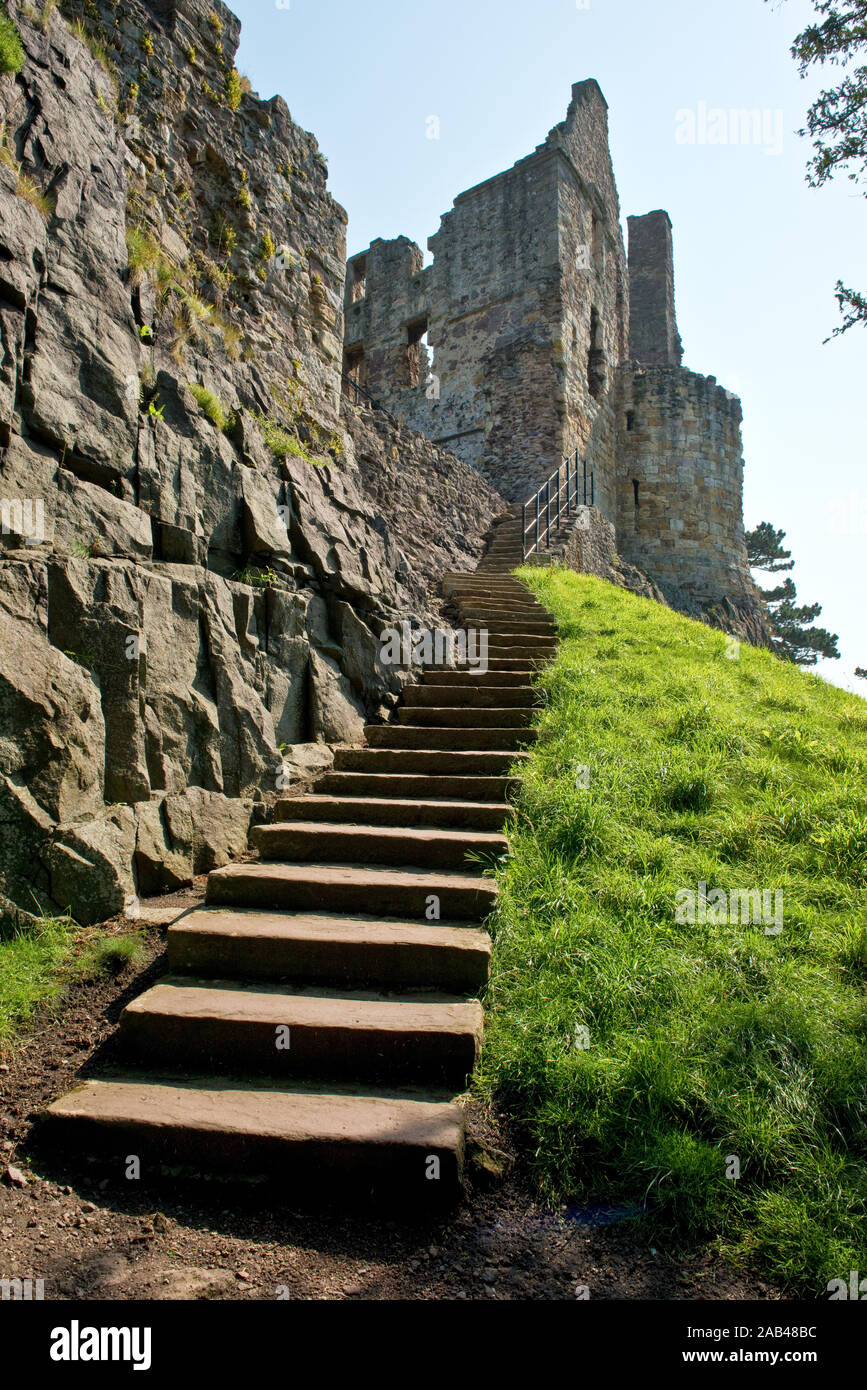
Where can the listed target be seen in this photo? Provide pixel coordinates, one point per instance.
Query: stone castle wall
(548, 343)
(679, 513)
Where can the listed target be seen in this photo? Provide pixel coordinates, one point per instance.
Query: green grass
(705, 1041)
(11, 48)
(37, 963)
(110, 955)
(212, 406)
(31, 971)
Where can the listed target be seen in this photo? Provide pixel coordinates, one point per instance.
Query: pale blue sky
(757, 251)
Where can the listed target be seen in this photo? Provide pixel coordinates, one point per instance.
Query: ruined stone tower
(531, 336)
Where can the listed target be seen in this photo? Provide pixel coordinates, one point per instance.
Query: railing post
(548, 514)
(538, 505)
(524, 532)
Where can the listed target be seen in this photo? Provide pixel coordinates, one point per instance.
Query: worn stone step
(406, 786)
(515, 664)
(326, 1142)
(470, 689)
(439, 762)
(465, 717)
(494, 608)
(346, 951)
(406, 736)
(503, 686)
(510, 641)
(330, 843)
(350, 1035)
(351, 888)
(369, 810)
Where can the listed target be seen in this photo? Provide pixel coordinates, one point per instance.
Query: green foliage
(31, 964)
(837, 118)
(705, 1040)
(797, 639)
(11, 47)
(95, 43)
(259, 578)
(110, 955)
(284, 443)
(212, 406)
(234, 89)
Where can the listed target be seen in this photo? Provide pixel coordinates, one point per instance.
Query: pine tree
(837, 119)
(797, 639)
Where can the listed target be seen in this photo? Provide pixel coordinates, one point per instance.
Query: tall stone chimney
(653, 337)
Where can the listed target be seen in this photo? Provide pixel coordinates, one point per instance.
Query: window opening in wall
(416, 352)
(635, 489)
(595, 357)
(630, 419)
(354, 372)
(359, 279)
(597, 245)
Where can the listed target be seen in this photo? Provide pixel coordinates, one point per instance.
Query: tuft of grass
(97, 48)
(234, 89)
(28, 189)
(284, 444)
(110, 955)
(661, 765)
(146, 259)
(258, 578)
(11, 47)
(212, 406)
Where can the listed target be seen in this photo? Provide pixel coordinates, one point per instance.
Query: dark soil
(91, 1239)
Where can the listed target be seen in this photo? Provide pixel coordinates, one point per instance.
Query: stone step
(512, 627)
(514, 664)
(432, 763)
(352, 1035)
(330, 843)
(497, 608)
(329, 1142)
(428, 737)
(511, 642)
(350, 888)
(403, 786)
(472, 690)
(465, 717)
(344, 951)
(370, 810)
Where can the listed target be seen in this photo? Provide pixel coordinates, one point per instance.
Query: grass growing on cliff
(212, 406)
(11, 47)
(703, 1043)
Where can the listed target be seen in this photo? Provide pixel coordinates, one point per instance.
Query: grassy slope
(705, 1041)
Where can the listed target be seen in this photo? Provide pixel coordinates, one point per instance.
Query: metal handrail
(543, 526)
(370, 400)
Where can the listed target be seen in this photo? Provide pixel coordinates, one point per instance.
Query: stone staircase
(505, 551)
(321, 1010)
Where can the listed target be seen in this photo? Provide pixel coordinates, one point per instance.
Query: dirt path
(91, 1240)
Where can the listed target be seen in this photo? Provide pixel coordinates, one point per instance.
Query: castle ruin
(546, 340)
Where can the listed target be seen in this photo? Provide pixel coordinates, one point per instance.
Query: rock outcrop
(198, 551)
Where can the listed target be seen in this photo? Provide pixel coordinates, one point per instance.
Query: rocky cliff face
(195, 568)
